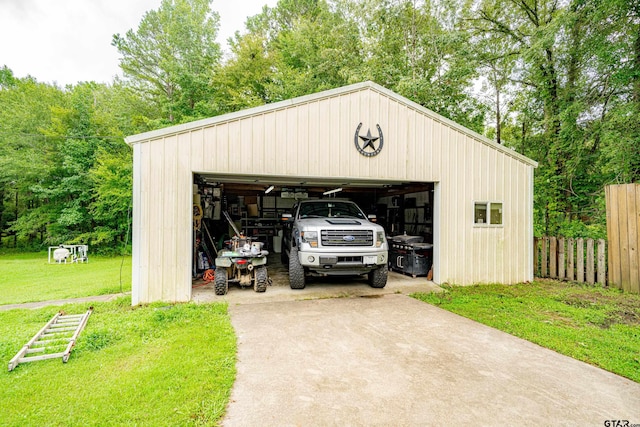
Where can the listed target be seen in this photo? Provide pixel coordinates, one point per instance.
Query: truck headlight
(379, 238)
(310, 237)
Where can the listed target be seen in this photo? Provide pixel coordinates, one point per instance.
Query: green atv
(243, 262)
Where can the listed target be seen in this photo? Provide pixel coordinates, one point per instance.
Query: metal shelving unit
(261, 229)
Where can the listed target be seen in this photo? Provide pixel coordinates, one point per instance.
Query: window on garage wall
(487, 213)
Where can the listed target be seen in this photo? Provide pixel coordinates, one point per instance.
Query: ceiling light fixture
(337, 190)
(269, 190)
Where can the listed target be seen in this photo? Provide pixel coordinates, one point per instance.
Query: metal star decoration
(369, 140)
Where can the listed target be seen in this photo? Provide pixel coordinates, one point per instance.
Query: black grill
(346, 237)
(410, 256)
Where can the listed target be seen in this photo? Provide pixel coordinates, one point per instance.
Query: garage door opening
(256, 204)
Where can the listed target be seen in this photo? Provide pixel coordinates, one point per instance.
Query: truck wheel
(378, 277)
(296, 270)
(260, 279)
(221, 283)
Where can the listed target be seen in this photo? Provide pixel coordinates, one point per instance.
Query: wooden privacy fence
(566, 259)
(623, 233)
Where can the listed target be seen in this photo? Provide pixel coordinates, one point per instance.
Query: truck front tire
(378, 277)
(296, 270)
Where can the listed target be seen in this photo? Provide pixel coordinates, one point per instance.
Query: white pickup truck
(333, 237)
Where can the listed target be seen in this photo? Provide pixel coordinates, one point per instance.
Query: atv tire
(296, 270)
(221, 282)
(378, 277)
(260, 279)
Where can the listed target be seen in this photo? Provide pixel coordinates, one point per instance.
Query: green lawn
(158, 365)
(598, 326)
(27, 277)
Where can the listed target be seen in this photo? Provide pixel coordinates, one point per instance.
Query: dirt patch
(629, 317)
(558, 319)
(620, 307)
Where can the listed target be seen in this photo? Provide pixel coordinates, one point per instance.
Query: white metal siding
(314, 137)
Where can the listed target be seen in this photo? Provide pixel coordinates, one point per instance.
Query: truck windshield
(330, 210)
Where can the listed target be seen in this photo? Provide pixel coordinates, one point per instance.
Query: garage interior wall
(313, 136)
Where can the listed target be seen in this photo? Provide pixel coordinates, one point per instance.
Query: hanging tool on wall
(197, 217)
(213, 242)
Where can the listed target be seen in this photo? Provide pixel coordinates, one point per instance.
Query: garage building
(420, 173)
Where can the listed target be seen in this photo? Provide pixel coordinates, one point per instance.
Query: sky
(69, 41)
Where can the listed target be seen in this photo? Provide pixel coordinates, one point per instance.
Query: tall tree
(246, 78)
(419, 49)
(615, 38)
(316, 48)
(535, 31)
(575, 73)
(495, 58)
(172, 56)
(300, 47)
(26, 154)
(63, 192)
(61, 154)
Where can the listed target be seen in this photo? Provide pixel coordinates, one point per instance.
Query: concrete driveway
(390, 360)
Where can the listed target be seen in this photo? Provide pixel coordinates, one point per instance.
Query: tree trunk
(551, 100)
(523, 138)
(636, 66)
(15, 235)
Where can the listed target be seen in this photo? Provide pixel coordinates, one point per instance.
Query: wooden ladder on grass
(56, 339)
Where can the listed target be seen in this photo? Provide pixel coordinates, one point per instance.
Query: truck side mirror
(372, 218)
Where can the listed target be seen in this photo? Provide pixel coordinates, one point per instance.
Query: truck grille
(346, 237)
(349, 260)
